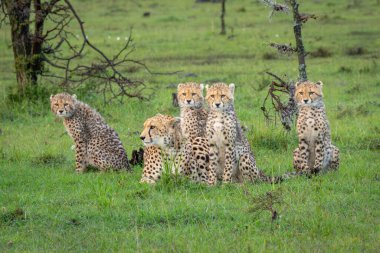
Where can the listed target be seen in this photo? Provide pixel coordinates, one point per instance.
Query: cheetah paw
(147, 180)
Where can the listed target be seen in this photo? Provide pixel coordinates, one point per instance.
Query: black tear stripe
(150, 136)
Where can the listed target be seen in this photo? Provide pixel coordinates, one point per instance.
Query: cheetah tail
(279, 179)
(290, 175)
(270, 179)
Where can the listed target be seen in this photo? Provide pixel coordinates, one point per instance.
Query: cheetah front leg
(335, 158)
(301, 156)
(230, 163)
(189, 164)
(202, 167)
(213, 166)
(296, 159)
(152, 165)
(80, 155)
(319, 155)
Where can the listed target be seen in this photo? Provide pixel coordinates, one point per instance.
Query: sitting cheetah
(96, 143)
(315, 153)
(230, 153)
(165, 146)
(193, 115)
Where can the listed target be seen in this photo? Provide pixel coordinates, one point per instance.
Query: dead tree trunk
(34, 47)
(37, 41)
(299, 44)
(19, 14)
(287, 110)
(222, 14)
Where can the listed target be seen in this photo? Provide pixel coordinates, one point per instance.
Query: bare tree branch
(299, 43)
(222, 14)
(56, 53)
(287, 110)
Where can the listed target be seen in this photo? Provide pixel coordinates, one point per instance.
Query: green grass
(45, 206)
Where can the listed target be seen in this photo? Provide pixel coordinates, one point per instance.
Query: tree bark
(299, 44)
(19, 14)
(222, 23)
(36, 43)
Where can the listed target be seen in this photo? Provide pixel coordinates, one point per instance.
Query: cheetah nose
(217, 104)
(188, 101)
(305, 101)
(60, 111)
(142, 138)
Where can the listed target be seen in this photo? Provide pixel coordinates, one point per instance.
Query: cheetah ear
(74, 96)
(297, 83)
(179, 85)
(232, 88)
(51, 97)
(319, 83)
(202, 86)
(206, 87)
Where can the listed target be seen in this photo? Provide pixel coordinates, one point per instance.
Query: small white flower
(276, 35)
(72, 147)
(109, 37)
(118, 38)
(77, 35)
(126, 38)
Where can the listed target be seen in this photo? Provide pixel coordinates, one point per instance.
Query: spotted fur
(165, 146)
(231, 157)
(315, 153)
(193, 115)
(96, 143)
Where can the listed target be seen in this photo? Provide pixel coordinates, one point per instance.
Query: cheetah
(164, 145)
(231, 158)
(193, 115)
(315, 153)
(96, 143)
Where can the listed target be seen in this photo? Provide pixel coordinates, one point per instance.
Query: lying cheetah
(230, 153)
(96, 143)
(164, 145)
(315, 153)
(193, 115)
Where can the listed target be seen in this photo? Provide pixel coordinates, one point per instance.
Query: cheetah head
(190, 95)
(308, 93)
(220, 96)
(63, 104)
(161, 130)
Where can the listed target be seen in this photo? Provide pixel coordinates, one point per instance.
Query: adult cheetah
(96, 143)
(165, 146)
(315, 153)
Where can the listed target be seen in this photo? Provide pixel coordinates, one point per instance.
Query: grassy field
(46, 207)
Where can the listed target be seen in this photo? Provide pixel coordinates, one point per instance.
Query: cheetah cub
(164, 145)
(96, 143)
(193, 115)
(315, 153)
(230, 153)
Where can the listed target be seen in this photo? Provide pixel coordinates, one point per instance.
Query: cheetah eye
(193, 94)
(223, 96)
(311, 93)
(184, 94)
(152, 127)
(212, 96)
(301, 93)
(65, 104)
(56, 104)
